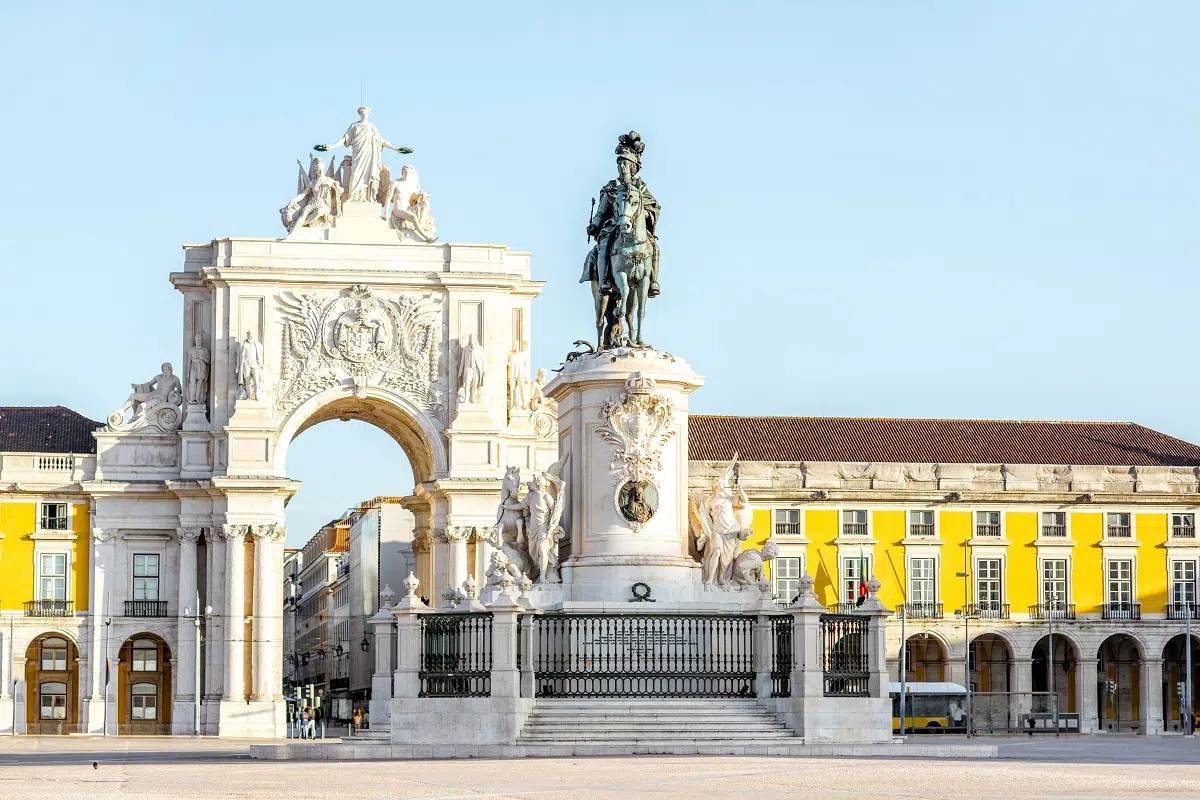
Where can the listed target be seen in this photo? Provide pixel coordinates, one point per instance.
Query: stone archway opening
(144, 693)
(926, 659)
(52, 685)
(1056, 675)
(1118, 684)
(1174, 671)
(991, 664)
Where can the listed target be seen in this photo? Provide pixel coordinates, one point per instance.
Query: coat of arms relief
(638, 422)
(368, 339)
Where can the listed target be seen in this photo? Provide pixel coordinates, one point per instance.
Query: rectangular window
(854, 523)
(54, 517)
(787, 522)
(987, 584)
(1183, 583)
(854, 571)
(145, 576)
(920, 523)
(1054, 524)
(1054, 583)
(1120, 582)
(145, 701)
(54, 655)
(987, 523)
(1183, 526)
(1118, 525)
(785, 575)
(922, 581)
(52, 702)
(52, 576)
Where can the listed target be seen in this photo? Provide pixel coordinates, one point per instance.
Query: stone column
(382, 623)
(423, 567)
(1023, 683)
(456, 551)
(102, 566)
(214, 628)
(1150, 695)
(185, 643)
(1085, 692)
(235, 610)
(267, 586)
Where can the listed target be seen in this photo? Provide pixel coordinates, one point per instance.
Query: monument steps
(641, 723)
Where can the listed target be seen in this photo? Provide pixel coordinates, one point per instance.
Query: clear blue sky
(869, 208)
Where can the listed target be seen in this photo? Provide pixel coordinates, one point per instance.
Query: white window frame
(999, 579)
(138, 711)
(866, 512)
(58, 711)
(40, 558)
(1176, 582)
(776, 521)
(844, 574)
(1042, 561)
(933, 531)
(66, 655)
(1171, 526)
(1066, 526)
(66, 518)
(1132, 533)
(1108, 580)
(910, 579)
(133, 656)
(157, 577)
(785, 598)
(999, 524)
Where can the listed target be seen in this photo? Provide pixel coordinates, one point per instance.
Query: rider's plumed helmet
(630, 148)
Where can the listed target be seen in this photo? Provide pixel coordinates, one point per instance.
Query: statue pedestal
(197, 417)
(622, 414)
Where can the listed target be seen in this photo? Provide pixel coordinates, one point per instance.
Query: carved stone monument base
(197, 417)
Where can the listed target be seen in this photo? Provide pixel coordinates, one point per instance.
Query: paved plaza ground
(1079, 768)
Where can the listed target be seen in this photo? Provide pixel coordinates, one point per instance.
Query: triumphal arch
(356, 312)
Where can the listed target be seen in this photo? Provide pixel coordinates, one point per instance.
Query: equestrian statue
(623, 264)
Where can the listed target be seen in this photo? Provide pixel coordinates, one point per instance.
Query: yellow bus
(931, 707)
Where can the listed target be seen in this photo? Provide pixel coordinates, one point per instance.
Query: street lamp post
(107, 624)
(196, 617)
(966, 616)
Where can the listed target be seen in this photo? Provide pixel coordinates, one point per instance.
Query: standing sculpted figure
(543, 510)
(509, 537)
(720, 521)
(518, 381)
(316, 200)
(197, 372)
(470, 371)
(250, 368)
(623, 265)
(366, 157)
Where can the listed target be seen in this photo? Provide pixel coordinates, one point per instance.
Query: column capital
(235, 532)
(102, 535)
(454, 533)
(189, 533)
(271, 531)
(422, 542)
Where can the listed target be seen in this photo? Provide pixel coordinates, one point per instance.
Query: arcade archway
(52, 685)
(144, 686)
(1056, 673)
(1174, 670)
(925, 659)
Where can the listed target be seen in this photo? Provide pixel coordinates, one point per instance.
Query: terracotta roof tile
(45, 429)
(943, 441)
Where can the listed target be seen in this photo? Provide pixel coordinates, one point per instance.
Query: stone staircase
(657, 726)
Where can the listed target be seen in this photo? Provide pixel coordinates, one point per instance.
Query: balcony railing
(787, 528)
(987, 531)
(1045, 611)
(1054, 531)
(1180, 610)
(1119, 531)
(1183, 531)
(1121, 610)
(920, 529)
(854, 529)
(145, 608)
(922, 610)
(987, 610)
(846, 608)
(50, 608)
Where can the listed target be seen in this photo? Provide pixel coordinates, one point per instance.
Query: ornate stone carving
(925, 473)
(235, 533)
(410, 213)
(422, 542)
(387, 597)
(270, 531)
(518, 381)
(501, 566)
(638, 422)
(362, 179)
(455, 533)
(197, 372)
(154, 405)
(719, 518)
(250, 368)
(366, 338)
(190, 533)
(102, 535)
(545, 410)
(470, 371)
(748, 568)
(528, 530)
(411, 584)
(317, 201)
(213, 535)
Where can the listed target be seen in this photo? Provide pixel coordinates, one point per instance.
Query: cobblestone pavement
(1077, 768)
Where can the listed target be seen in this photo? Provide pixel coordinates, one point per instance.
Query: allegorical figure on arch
(622, 266)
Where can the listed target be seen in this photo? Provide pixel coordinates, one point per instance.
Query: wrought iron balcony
(987, 531)
(1180, 610)
(1119, 532)
(145, 608)
(1047, 611)
(1054, 531)
(854, 529)
(1121, 610)
(787, 528)
(922, 610)
(987, 610)
(50, 608)
(1183, 531)
(920, 529)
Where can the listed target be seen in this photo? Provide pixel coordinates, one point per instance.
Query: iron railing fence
(1046, 611)
(843, 608)
(987, 610)
(846, 657)
(920, 529)
(1121, 611)
(781, 656)
(49, 608)
(145, 608)
(456, 655)
(922, 610)
(643, 655)
(987, 530)
(1183, 531)
(1180, 610)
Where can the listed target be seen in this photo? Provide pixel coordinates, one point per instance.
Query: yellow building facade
(1069, 579)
